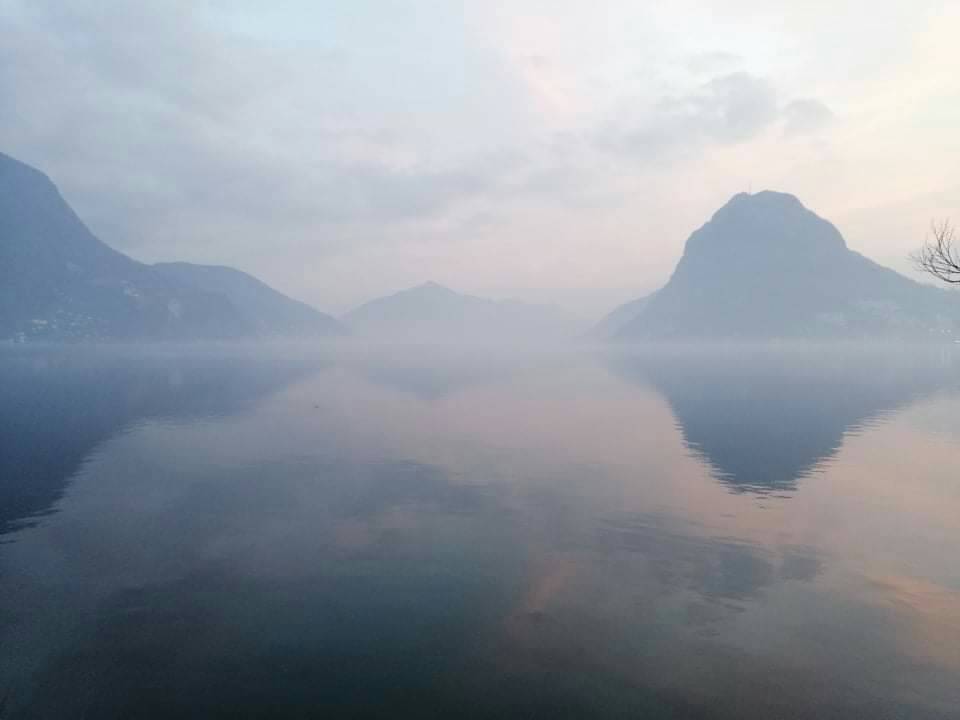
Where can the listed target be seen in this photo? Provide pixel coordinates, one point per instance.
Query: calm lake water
(308, 533)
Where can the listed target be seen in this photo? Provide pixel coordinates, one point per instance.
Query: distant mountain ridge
(60, 282)
(611, 325)
(271, 313)
(432, 312)
(766, 267)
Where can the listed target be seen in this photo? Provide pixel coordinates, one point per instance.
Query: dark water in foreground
(453, 533)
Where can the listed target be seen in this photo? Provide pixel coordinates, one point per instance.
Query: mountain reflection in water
(764, 421)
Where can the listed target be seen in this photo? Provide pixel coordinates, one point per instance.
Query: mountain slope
(434, 313)
(270, 312)
(611, 325)
(767, 267)
(58, 281)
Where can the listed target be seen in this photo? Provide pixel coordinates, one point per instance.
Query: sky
(550, 150)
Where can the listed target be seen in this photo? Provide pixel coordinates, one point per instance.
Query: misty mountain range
(763, 267)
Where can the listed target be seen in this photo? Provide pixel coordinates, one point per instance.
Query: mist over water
(353, 531)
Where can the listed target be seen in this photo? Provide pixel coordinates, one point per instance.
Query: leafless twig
(940, 256)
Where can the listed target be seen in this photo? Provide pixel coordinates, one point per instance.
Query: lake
(307, 532)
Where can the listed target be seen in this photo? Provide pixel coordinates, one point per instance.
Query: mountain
(431, 312)
(60, 282)
(270, 312)
(765, 267)
(615, 321)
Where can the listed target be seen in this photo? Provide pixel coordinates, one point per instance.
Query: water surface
(433, 532)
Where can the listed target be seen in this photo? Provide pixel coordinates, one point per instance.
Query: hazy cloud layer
(353, 147)
(154, 119)
(712, 62)
(803, 117)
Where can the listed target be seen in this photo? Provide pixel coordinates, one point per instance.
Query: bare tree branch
(940, 256)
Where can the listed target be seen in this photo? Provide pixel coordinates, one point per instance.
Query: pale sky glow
(557, 150)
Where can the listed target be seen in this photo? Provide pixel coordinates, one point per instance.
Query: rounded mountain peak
(766, 222)
(432, 288)
(766, 198)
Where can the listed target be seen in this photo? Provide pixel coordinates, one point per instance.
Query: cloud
(735, 108)
(727, 109)
(806, 117)
(712, 62)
